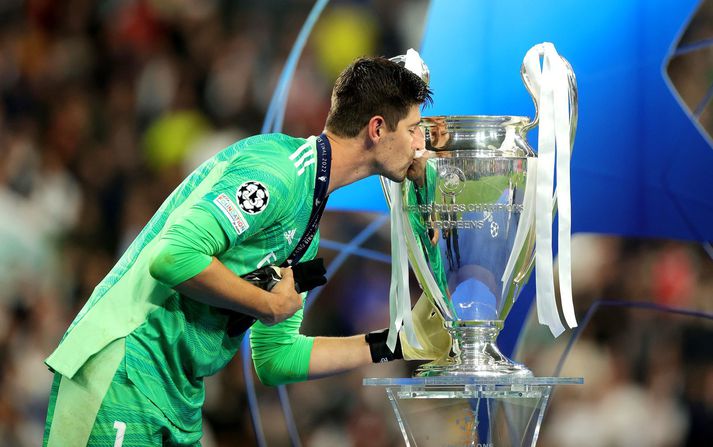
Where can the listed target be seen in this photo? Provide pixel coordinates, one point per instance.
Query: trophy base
(475, 353)
(470, 411)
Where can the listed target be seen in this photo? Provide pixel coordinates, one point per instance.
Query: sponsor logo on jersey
(303, 157)
(290, 235)
(252, 197)
(231, 211)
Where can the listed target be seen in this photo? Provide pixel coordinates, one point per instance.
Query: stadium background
(106, 105)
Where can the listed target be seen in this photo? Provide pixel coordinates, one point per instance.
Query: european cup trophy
(474, 219)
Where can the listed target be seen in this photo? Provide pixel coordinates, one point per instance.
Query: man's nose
(419, 139)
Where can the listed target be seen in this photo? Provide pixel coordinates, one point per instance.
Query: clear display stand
(470, 411)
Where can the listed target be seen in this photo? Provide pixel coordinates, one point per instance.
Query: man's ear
(376, 127)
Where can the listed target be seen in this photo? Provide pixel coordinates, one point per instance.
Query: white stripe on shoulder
(309, 162)
(300, 149)
(302, 159)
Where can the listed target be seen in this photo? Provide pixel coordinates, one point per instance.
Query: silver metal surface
(464, 201)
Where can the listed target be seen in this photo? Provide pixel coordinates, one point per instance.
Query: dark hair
(373, 86)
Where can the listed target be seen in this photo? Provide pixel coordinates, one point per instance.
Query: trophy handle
(531, 90)
(573, 101)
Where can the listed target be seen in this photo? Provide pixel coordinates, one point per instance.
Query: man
(174, 308)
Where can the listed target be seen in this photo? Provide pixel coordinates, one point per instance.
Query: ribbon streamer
(414, 63)
(525, 224)
(399, 293)
(563, 128)
(550, 88)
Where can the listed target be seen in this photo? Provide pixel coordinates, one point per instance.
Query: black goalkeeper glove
(307, 275)
(379, 351)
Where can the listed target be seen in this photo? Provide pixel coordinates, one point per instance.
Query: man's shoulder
(274, 157)
(270, 143)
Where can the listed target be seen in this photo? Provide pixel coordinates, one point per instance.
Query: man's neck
(350, 161)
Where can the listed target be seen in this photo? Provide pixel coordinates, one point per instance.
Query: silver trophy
(473, 219)
(469, 245)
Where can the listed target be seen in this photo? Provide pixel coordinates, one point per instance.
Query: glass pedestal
(470, 411)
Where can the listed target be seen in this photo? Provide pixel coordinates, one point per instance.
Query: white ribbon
(399, 293)
(414, 63)
(417, 257)
(524, 225)
(563, 128)
(550, 88)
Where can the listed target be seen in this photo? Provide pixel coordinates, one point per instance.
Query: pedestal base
(470, 411)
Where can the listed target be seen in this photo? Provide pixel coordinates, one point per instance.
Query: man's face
(397, 148)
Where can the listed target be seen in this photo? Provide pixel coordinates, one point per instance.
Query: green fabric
(187, 247)
(121, 301)
(172, 341)
(420, 196)
(280, 353)
(78, 400)
(50, 407)
(124, 413)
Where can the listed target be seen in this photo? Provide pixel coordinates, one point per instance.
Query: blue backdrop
(640, 166)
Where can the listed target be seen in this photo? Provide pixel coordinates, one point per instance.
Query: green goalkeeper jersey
(261, 192)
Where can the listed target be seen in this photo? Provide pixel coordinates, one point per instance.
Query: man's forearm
(217, 286)
(332, 355)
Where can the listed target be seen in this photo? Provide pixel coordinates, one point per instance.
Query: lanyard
(321, 184)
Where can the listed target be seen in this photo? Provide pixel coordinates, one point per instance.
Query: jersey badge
(231, 211)
(252, 197)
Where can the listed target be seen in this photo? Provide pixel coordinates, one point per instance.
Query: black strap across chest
(321, 185)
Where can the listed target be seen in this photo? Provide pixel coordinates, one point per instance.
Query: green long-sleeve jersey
(260, 191)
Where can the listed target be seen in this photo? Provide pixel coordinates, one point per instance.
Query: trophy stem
(476, 353)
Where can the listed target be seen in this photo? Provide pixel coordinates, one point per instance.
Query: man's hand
(285, 300)
(285, 285)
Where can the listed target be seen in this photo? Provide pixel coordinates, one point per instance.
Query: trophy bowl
(472, 251)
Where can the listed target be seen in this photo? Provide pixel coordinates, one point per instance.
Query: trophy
(474, 219)
(466, 212)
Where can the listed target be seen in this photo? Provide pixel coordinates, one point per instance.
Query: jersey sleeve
(251, 195)
(280, 353)
(187, 247)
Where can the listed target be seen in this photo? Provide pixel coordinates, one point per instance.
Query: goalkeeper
(174, 309)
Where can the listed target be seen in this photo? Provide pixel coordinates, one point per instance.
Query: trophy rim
(482, 120)
(459, 133)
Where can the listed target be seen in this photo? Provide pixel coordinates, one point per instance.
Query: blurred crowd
(106, 105)
(645, 349)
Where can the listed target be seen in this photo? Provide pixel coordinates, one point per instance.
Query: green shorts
(101, 407)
